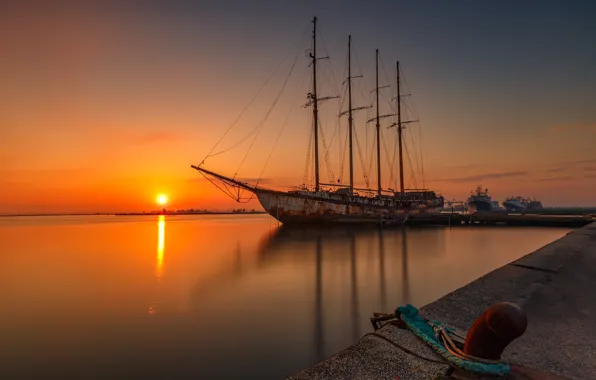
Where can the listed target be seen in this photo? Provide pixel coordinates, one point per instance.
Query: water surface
(217, 296)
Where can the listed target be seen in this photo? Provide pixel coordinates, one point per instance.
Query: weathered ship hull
(295, 209)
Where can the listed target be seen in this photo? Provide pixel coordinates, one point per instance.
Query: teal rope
(409, 315)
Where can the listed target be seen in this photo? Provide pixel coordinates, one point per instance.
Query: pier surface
(554, 285)
(500, 218)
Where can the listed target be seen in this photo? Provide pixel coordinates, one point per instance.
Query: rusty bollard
(494, 330)
(490, 334)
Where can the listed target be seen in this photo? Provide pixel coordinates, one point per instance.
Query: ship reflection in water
(233, 296)
(346, 260)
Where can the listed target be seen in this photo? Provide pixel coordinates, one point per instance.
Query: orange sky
(101, 111)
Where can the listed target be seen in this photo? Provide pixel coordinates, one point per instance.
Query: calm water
(216, 296)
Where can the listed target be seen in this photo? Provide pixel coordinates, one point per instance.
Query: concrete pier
(499, 218)
(555, 287)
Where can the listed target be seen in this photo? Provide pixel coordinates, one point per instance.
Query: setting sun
(162, 199)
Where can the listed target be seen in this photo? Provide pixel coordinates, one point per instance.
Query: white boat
(480, 201)
(521, 204)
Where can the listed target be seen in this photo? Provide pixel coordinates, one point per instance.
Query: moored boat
(521, 204)
(338, 203)
(479, 201)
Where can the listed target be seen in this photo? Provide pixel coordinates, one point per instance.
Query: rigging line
(268, 113)
(215, 184)
(421, 156)
(341, 106)
(343, 157)
(278, 137)
(245, 109)
(356, 56)
(391, 158)
(330, 63)
(335, 132)
(420, 148)
(327, 162)
(411, 138)
(414, 115)
(412, 175)
(386, 99)
(343, 100)
(345, 74)
(367, 129)
(211, 154)
(383, 66)
(228, 189)
(372, 150)
(243, 200)
(366, 96)
(395, 145)
(412, 165)
(387, 156)
(364, 174)
(308, 154)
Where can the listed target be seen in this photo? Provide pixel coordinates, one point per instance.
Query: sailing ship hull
(292, 209)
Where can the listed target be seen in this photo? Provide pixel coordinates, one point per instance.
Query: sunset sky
(104, 107)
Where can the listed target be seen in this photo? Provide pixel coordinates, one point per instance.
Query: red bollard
(494, 330)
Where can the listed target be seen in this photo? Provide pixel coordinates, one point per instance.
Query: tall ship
(521, 204)
(480, 201)
(330, 203)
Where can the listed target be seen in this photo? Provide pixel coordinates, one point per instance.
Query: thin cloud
(576, 127)
(29, 174)
(459, 167)
(550, 179)
(588, 161)
(567, 165)
(556, 170)
(154, 137)
(481, 177)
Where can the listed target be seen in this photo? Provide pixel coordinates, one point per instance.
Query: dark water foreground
(550, 285)
(217, 296)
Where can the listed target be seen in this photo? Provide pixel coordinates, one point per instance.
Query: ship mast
(350, 127)
(350, 112)
(313, 97)
(378, 125)
(399, 134)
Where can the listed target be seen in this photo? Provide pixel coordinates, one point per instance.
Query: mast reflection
(287, 245)
(382, 287)
(405, 287)
(354, 278)
(319, 301)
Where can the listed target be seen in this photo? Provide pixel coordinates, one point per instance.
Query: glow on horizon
(143, 101)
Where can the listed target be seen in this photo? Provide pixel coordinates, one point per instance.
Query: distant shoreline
(141, 213)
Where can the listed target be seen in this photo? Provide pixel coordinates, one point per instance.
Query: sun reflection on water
(161, 236)
(161, 233)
